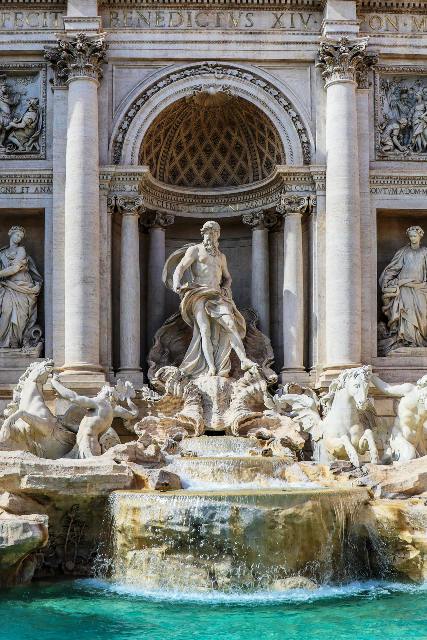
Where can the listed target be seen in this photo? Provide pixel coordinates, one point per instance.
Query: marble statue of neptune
(199, 274)
(404, 290)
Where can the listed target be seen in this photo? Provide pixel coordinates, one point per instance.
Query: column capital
(260, 219)
(344, 60)
(130, 205)
(292, 204)
(80, 56)
(158, 219)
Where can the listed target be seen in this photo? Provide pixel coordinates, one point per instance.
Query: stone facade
(300, 126)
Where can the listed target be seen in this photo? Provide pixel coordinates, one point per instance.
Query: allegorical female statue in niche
(20, 284)
(404, 292)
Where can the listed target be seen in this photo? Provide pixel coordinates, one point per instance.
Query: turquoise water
(87, 609)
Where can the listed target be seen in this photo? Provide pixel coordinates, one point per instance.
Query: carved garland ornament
(344, 59)
(219, 71)
(81, 56)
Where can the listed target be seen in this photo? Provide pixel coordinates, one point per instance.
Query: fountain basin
(236, 540)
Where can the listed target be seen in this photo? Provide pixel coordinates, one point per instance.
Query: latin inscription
(21, 189)
(393, 23)
(22, 20)
(210, 19)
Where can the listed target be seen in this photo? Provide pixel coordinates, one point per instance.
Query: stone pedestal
(130, 290)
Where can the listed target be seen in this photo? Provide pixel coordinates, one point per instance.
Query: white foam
(371, 588)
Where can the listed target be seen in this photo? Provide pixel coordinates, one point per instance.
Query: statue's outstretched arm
(67, 394)
(394, 390)
(182, 266)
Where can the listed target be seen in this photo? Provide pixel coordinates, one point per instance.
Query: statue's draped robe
(216, 306)
(406, 309)
(18, 301)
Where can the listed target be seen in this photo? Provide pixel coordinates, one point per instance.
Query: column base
(294, 374)
(332, 371)
(133, 375)
(83, 375)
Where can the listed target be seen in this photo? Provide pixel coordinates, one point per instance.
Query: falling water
(235, 540)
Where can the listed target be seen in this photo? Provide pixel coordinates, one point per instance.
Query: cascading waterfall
(239, 526)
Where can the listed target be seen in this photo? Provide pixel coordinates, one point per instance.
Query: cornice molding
(392, 6)
(253, 5)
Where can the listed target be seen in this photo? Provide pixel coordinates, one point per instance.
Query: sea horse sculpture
(341, 427)
(30, 425)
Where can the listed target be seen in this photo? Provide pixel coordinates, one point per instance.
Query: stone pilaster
(156, 222)
(341, 61)
(77, 62)
(292, 207)
(260, 222)
(130, 208)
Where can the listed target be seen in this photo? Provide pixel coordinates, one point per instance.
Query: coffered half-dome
(211, 140)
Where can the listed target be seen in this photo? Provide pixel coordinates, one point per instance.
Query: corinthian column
(156, 291)
(340, 62)
(292, 208)
(130, 287)
(260, 222)
(78, 62)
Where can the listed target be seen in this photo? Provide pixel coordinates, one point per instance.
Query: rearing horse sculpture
(30, 425)
(341, 426)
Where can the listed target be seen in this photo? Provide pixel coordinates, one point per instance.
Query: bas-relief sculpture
(402, 117)
(20, 285)
(21, 114)
(404, 294)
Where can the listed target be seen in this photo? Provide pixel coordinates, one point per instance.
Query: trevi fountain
(213, 319)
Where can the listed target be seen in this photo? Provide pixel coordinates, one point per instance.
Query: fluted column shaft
(130, 286)
(341, 62)
(343, 267)
(77, 61)
(82, 226)
(260, 268)
(260, 283)
(156, 293)
(292, 208)
(293, 293)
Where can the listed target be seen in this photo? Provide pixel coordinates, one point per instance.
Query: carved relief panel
(22, 111)
(401, 114)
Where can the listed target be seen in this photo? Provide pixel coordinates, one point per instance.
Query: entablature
(222, 203)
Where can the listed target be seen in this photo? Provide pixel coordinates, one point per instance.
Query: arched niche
(147, 101)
